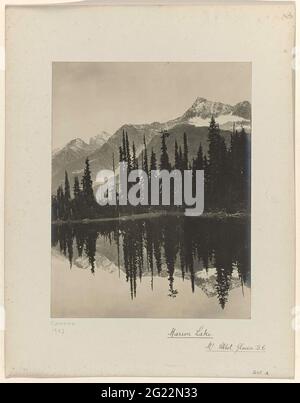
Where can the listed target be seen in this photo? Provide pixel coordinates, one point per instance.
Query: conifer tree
(87, 185)
(127, 148)
(145, 161)
(67, 197)
(180, 164)
(213, 172)
(113, 163)
(153, 167)
(205, 163)
(76, 189)
(164, 158)
(61, 203)
(223, 173)
(67, 187)
(194, 169)
(54, 208)
(199, 159)
(124, 154)
(177, 158)
(245, 151)
(153, 161)
(76, 202)
(121, 155)
(185, 152)
(239, 170)
(197, 165)
(134, 158)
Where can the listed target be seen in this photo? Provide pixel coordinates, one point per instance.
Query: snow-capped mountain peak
(201, 111)
(204, 109)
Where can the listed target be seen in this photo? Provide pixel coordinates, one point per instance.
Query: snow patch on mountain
(225, 122)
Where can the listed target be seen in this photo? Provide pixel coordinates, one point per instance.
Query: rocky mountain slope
(194, 122)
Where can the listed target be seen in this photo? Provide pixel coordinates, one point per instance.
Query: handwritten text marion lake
(200, 333)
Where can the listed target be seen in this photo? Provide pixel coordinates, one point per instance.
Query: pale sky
(92, 97)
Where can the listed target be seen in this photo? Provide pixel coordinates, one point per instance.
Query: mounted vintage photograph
(151, 190)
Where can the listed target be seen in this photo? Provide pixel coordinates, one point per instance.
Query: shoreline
(211, 215)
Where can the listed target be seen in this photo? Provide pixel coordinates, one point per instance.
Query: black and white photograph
(171, 246)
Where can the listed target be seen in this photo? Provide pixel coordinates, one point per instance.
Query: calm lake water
(166, 267)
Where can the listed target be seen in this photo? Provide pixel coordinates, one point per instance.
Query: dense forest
(226, 173)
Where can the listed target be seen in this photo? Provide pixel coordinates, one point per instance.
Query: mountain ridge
(71, 158)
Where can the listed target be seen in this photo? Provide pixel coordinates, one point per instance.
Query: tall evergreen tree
(134, 158)
(145, 161)
(197, 165)
(153, 167)
(164, 157)
(76, 188)
(67, 197)
(128, 156)
(124, 153)
(180, 164)
(239, 170)
(153, 161)
(199, 159)
(67, 188)
(177, 158)
(185, 152)
(213, 172)
(213, 139)
(60, 203)
(121, 155)
(54, 208)
(76, 202)
(205, 163)
(219, 172)
(245, 151)
(87, 184)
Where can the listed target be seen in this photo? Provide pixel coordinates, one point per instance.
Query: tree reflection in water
(167, 247)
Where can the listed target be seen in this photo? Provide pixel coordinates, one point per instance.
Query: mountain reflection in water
(211, 255)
